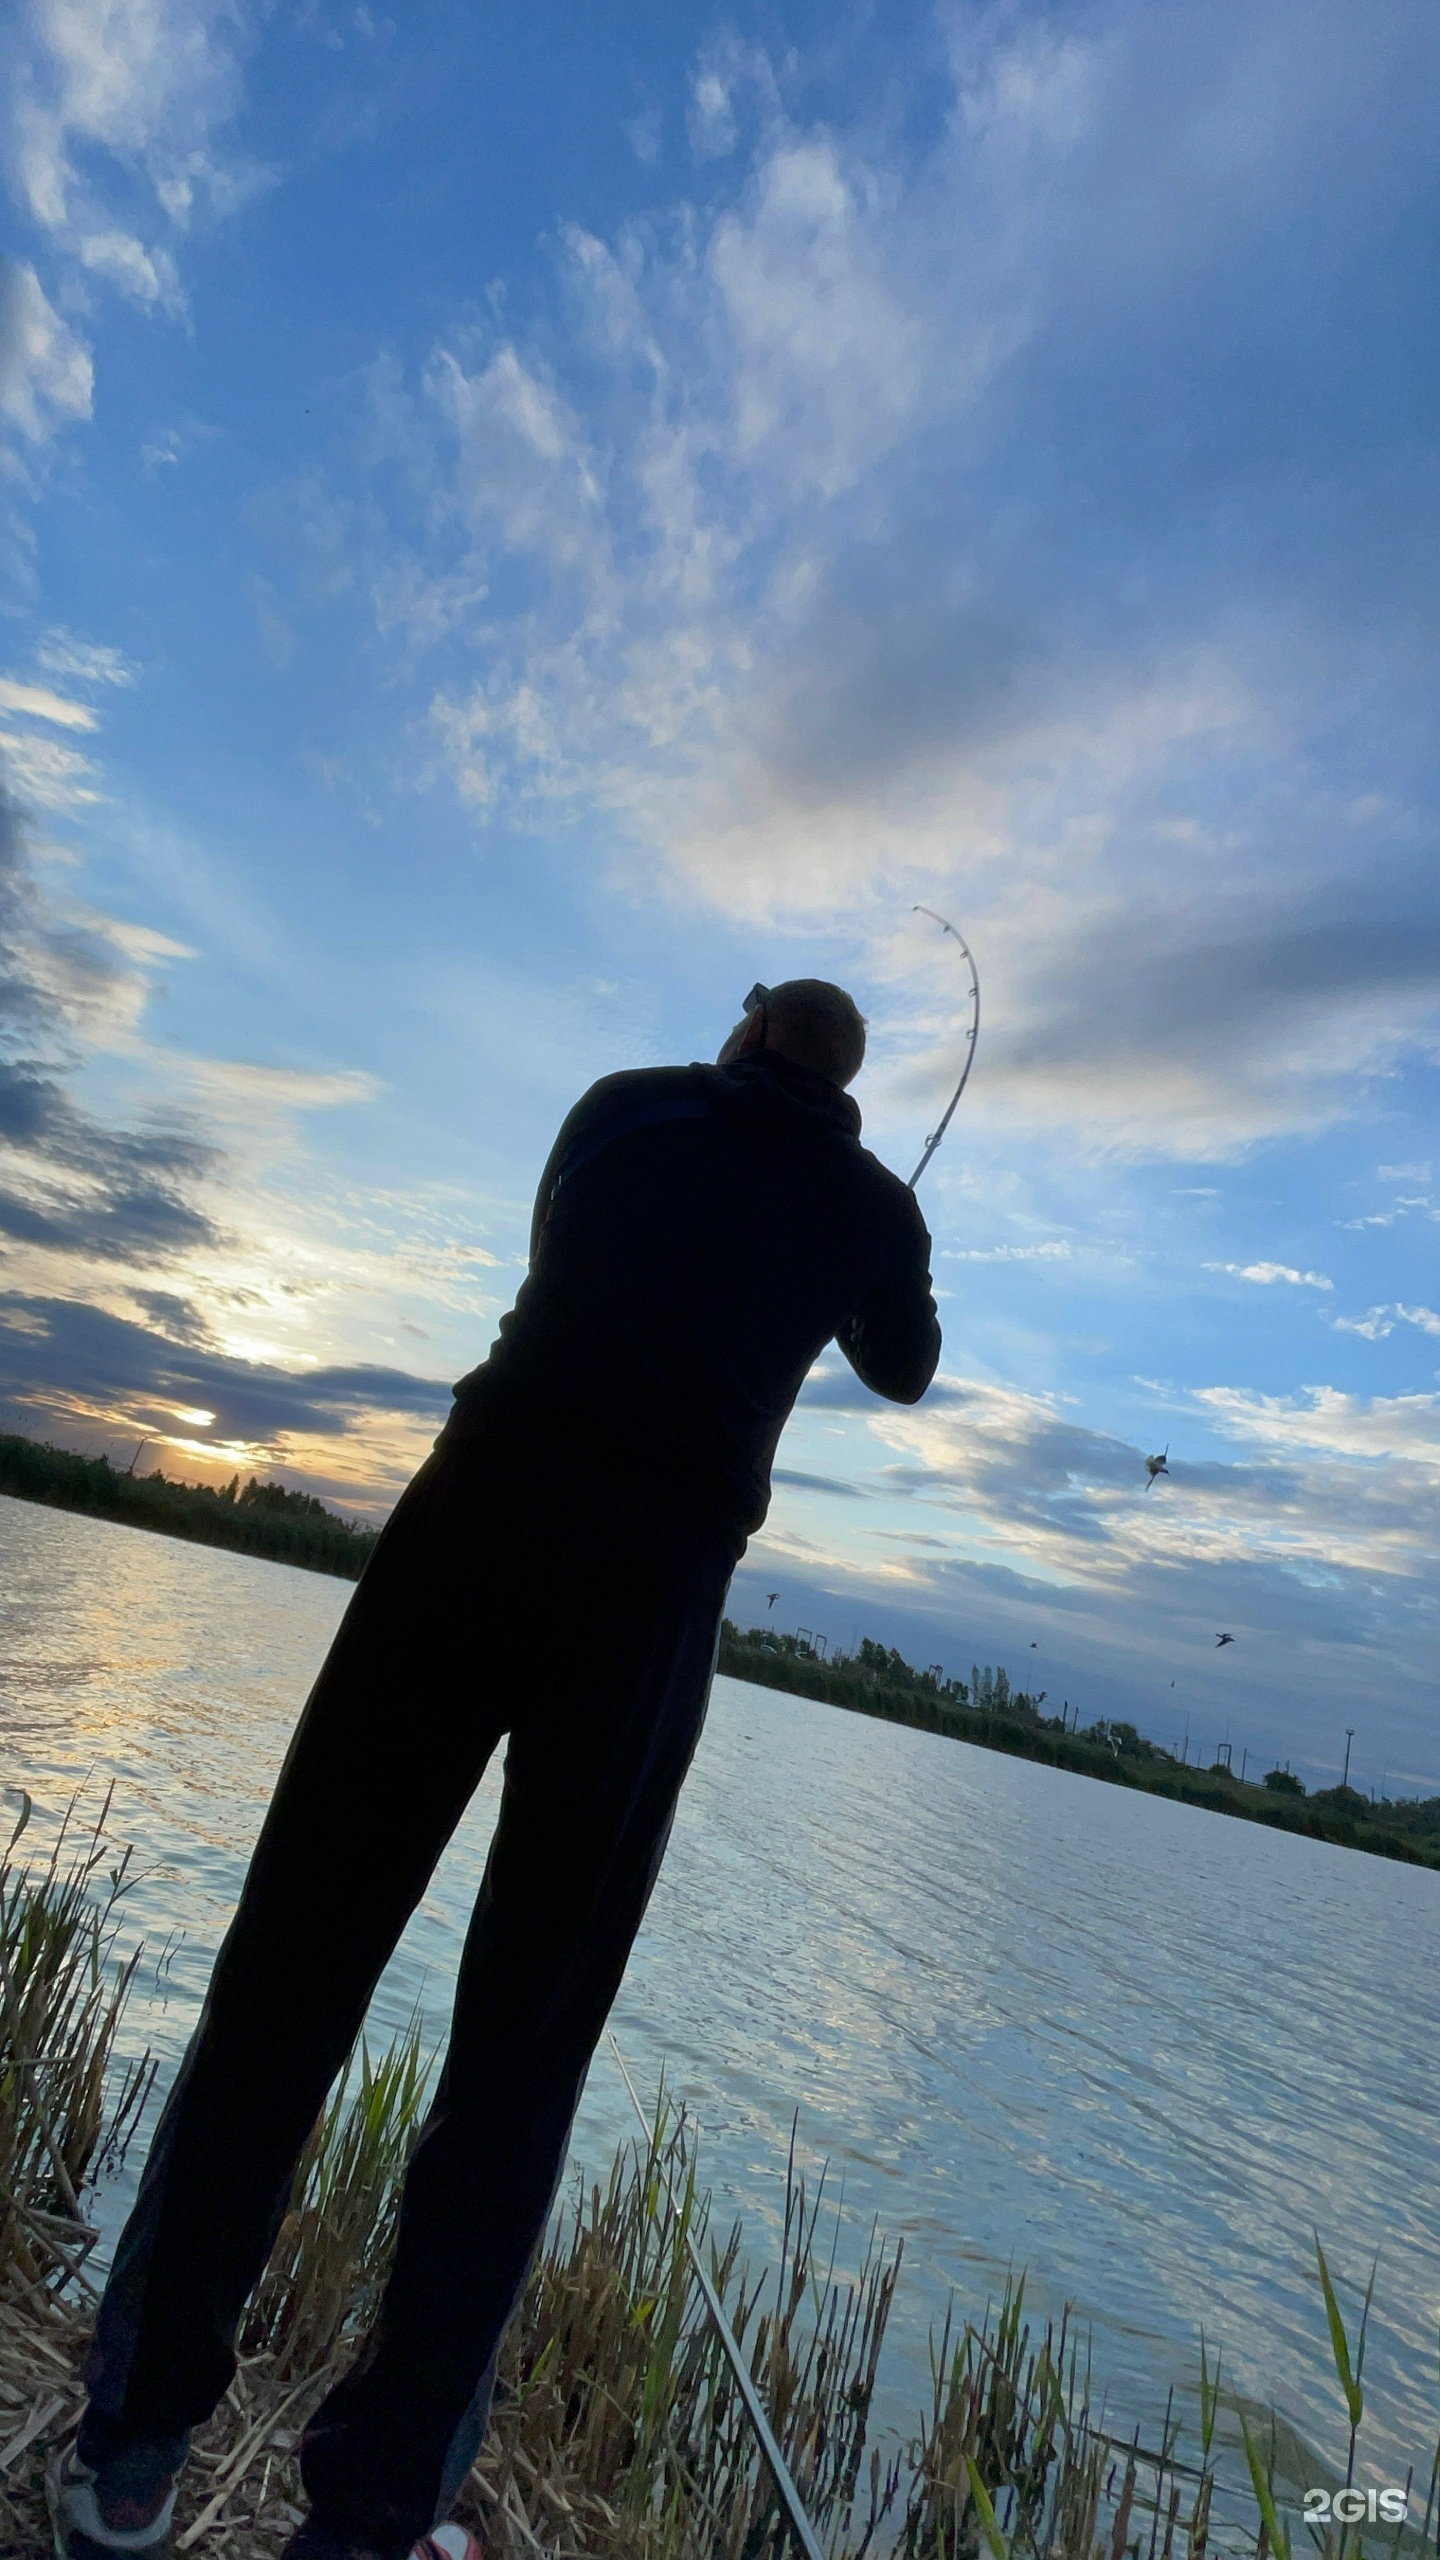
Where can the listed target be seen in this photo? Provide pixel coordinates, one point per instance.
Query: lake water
(1030, 2021)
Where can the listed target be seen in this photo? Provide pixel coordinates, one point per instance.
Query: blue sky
(518, 523)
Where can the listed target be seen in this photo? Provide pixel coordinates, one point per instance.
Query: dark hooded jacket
(700, 1234)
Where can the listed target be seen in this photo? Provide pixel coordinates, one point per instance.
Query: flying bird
(770, 1599)
(1224, 1640)
(1156, 1466)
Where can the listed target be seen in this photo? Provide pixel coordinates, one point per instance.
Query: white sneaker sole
(74, 2510)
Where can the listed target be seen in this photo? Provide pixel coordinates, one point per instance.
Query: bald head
(807, 1020)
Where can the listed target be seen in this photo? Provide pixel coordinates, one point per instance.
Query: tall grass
(62, 1991)
(619, 2426)
(329, 2260)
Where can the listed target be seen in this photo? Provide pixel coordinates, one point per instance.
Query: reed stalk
(330, 2256)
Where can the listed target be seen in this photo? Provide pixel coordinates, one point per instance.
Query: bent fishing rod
(760, 994)
(971, 1037)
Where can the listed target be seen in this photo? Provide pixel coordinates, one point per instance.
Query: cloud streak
(47, 378)
(69, 1183)
(95, 1377)
(1329, 1482)
(1381, 1321)
(1265, 1274)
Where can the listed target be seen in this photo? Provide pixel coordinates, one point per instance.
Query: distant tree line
(259, 1519)
(878, 1681)
(295, 1528)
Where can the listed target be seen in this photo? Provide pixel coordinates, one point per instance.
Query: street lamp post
(1349, 1738)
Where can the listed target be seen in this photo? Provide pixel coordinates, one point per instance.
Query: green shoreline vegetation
(269, 1520)
(258, 1519)
(876, 1681)
(618, 2431)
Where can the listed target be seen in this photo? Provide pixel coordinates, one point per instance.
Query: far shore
(284, 1527)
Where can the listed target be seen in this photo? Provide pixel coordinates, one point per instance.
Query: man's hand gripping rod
(971, 1037)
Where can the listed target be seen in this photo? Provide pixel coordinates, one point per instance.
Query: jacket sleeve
(892, 1341)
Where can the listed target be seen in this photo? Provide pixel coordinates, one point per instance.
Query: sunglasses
(758, 996)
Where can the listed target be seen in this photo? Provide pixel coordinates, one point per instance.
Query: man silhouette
(700, 1234)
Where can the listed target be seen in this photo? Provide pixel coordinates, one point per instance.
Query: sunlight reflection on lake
(1028, 2020)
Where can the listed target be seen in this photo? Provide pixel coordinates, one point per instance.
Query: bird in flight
(770, 1599)
(1156, 1466)
(1224, 1640)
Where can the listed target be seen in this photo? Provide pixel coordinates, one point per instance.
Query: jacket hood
(766, 1085)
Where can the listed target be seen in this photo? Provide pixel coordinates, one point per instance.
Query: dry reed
(61, 1995)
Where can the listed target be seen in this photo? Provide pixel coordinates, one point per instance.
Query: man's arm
(892, 1341)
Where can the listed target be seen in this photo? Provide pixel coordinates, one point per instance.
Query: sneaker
(129, 2505)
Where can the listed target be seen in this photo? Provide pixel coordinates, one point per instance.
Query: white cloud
(46, 375)
(249, 1094)
(37, 702)
(1267, 1273)
(88, 661)
(166, 446)
(1381, 1321)
(728, 75)
(147, 276)
(143, 81)
(1416, 1204)
(1373, 1327)
(160, 451)
(1056, 1251)
(46, 773)
(1333, 1424)
(522, 469)
(826, 360)
(644, 133)
(140, 942)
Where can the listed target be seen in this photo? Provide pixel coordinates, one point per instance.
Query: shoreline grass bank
(875, 1682)
(255, 1519)
(619, 2433)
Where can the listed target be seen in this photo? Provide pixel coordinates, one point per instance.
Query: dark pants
(586, 1626)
